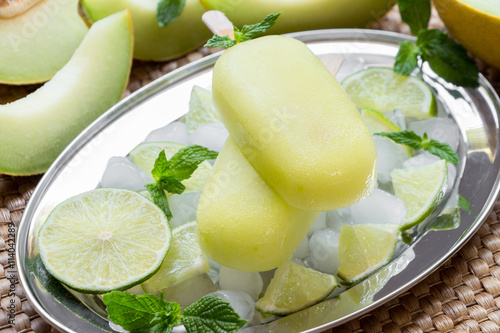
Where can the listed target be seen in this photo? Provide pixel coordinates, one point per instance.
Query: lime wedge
(383, 90)
(145, 154)
(184, 260)
(201, 109)
(103, 240)
(421, 188)
(364, 248)
(294, 288)
(378, 122)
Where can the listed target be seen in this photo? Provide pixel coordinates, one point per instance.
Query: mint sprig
(168, 11)
(246, 33)
(413, 140)
(464, 204)
(168, 174)
(447, 59)
(149, 313)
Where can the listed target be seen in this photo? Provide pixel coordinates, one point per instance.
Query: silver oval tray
(118, 131)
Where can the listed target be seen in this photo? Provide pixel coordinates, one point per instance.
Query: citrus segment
(201, 109)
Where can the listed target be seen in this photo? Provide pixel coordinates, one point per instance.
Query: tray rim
(127, 104)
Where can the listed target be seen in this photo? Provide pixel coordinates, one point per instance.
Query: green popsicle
(294, 123)
(242, 223)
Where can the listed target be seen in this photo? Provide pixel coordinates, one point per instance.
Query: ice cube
(213, 136)
(189, 291)
(173, 132)
(213, 274)
(320, 223)
(122, 173)
(398, 117)
(390, 156)
(438, 128)
(302, 250)
(183, 207)
(379, 208)
(232, 279)
(349, 66)
(337, 218)
(240, 301)
(324, 247)
(117, 328)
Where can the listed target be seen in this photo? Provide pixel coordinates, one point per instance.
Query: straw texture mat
(461, 296)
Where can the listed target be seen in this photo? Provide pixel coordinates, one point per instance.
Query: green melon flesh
(184, 34)
(298, 15)
(34, 130)
(491, 7)
(39, 42)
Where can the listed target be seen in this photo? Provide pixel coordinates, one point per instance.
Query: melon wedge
(184, 34)
(35, 129)
(37, 43)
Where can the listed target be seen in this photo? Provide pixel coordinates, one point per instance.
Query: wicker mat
(461, 296)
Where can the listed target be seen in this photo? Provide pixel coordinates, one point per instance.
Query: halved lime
(201, 109)
(421, 188)
(294, 288)
(145, 155)
(364, 248)
(378, 122)
(105, 239)
(184, 260)
(383, 90)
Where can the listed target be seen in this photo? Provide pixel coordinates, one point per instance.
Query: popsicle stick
(332, 61)
(218, 23)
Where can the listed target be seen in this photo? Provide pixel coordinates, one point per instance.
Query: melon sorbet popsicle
(242, 223)
(294, 123)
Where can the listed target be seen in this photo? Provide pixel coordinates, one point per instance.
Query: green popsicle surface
(294, 123)
(242, 223)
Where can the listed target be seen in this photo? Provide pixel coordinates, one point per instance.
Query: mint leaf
(210, 314)
(246, 33)
(168, 11)
(172, 185)
(464, 204)
(413, 140)
(407, 58)
(408, 138)
(415, 13)
(447, 59)
(250, 31)
(142, 313)
(161, 167)
(220, 41)
(442, 150)
(186, 161)
(159, 198)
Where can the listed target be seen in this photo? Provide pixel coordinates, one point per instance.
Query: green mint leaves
(168, 174)
(447, 59)
(246, 33)
(464, 204)
(413, 140)
(415, 13)
(148, 313)
(168, 10)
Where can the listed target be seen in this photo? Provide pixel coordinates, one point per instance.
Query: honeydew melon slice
(184, 34)
(38, 42)
(35, 129)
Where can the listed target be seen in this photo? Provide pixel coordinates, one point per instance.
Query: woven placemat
(461, 296)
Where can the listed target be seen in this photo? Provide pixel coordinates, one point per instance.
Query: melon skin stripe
(34, 130)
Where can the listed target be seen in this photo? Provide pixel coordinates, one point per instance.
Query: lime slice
(294, 288)
(378, 122)
(201, 109)
(184, 260)
(104, 240)
(364, 248)
(383, 90)
(145, 155)
(421, 188)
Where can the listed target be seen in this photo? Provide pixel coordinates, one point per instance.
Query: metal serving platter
(80, 167)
